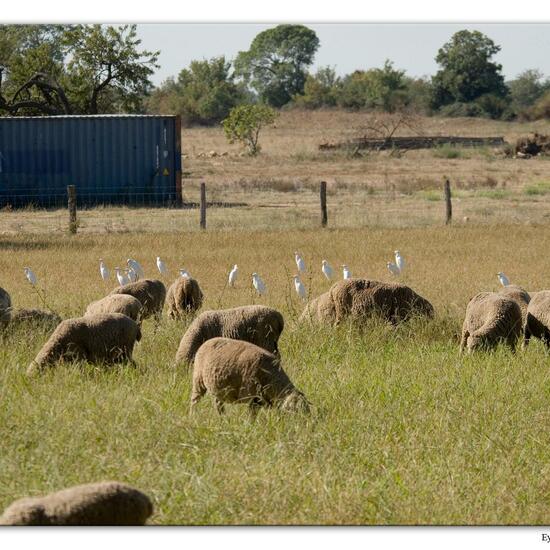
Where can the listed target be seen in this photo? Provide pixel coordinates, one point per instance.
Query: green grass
(449, 152)
(431, 195)
(539, 188)
(493, 193)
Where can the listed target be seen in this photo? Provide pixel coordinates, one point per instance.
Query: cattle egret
(122, 277)
(347, 272)
(136, 267)
(394, 270)
(161, 266)
(233, 275)
(327, 270)
(132, 275)
(185, 274)
(300, 264)
(104, 272)
(258, 284)
(30, 276)
(300, 288)
(504, 281)
(399, 261)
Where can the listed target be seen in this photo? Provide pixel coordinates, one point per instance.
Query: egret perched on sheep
(132, 275)
(300, 288)
(399, 261)
(258, 284)
(327, 270)
(185, 274)
(122, 277)
(504, 281)
(31, 277)
(103, 271)
(161, 266)
(346, 272)
(394, 270)
(136, 267)
(233, 275)
(300, 264)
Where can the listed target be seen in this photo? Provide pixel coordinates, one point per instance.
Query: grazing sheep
(519, 295)
(104, 503)
(34, 318)
(490, 319)
(102, 338)
(235, 371)
(362, 298)
(259, 325)
(150, 292)
(183, 296)
(5, 307)
(537, 323)
(116, 303)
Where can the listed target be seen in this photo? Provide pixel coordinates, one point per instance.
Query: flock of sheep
(235, 357)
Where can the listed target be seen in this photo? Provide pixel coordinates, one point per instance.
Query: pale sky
(411, 46)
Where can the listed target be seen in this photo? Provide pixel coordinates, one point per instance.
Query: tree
(467, 72)
(204, 93)
(275, 65)
(320, 90)
(63, 69)
(527, 87)
(245, 122)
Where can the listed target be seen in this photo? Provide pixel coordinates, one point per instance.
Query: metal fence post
(203, 205)
(71, 200)
(448, 203)
(323, 197)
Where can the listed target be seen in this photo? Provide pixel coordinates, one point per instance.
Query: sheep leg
(463, 340)
(254, 407)
(196, 396)
(220, 407)
(526, 337)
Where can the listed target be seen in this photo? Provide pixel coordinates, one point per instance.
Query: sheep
(34, 318)
(102, 338)
(235, 371)
(537, 323)
(490, 318)
(103, 503)
(184, 296)
(5, 307)
(518, 294)
(361, 298)
(150, 292)
(116, 303)
(257, 324)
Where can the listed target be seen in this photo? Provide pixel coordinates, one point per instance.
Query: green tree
(467, 72)
(526, 88)
(320, 90)
(275, 65)
(245, 122)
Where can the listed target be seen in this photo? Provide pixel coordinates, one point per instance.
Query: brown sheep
(103, 338)
(537, 323)
(235, 371)
(5, 307)
(104, 503)
(116, 303)
(183, 296)
(490, 318)
(259, 325)
(361, 298)
(150, 292)
(518, 294)
(34, 317)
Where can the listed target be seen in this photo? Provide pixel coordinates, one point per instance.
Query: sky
(351, 46)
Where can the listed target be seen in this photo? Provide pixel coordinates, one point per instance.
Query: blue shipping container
(110, 159)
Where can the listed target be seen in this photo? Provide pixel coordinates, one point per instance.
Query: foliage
(276, 62)
(85, 69)
(540, 110)
(527, 88)
(320, 90)
(245, 122)
(467, 72)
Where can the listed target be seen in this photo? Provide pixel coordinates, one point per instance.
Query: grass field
(404, 430)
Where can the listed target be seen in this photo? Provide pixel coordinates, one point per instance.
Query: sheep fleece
(116, 303)
(108, 337)
(519, 295)
(184, 295)
(5, 307)
(258, 325)
(537, 323)
(104, 503)
(490, 318)
(150, 292)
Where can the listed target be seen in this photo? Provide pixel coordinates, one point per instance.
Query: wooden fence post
(448, 203)
(203, 205)
(323, 197)
(71, 194)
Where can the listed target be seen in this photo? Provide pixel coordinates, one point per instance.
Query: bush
(540, 110)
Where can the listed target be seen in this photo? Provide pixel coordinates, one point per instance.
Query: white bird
(30, 276)
(233, 275)
(122, 277)
(504, 281)
(136, 267)
(132, 275)
(161, 266)
(184, 273)
(327, 270)
(394, 270)
(399, 261)
(104, 272)
(300, 288)
(300, 264)
(258, 284)
(347, 272)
